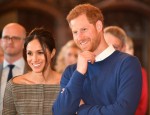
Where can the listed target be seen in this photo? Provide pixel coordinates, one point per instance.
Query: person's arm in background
(8, 103)
(129, 92)
(142, 106)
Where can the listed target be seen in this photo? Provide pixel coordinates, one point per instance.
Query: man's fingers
(89, 56)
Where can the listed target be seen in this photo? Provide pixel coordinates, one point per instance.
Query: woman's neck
(48, 77)
(42, 76)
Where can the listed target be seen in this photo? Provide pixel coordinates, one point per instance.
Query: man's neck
(102, 46)
(12, 59)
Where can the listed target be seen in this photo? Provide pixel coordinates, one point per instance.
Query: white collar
(107, 52)
(19, 63)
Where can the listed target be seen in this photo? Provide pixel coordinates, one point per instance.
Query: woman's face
(35, 56)
(70, 55)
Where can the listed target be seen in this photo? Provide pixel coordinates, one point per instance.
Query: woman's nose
(34, 57)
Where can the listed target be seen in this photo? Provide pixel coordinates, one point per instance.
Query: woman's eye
(75, 32)
(41, 52)
(29, 53)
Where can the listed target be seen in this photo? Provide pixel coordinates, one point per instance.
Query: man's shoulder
(121, 55)
(1, 66)
(67, 74)
(126, 59)
(70, 68)
(69, 71)
(1, 63)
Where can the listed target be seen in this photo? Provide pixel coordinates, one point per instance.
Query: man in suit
(12, 43)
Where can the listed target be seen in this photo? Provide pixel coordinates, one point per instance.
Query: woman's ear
(53, 53)
(99, 25)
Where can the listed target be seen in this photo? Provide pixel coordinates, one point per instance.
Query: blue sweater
(110, 87)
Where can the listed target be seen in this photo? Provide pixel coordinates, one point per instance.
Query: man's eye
(84, 29)
(5, 37)
(16, 38)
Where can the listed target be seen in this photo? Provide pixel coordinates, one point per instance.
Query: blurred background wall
(132, 15)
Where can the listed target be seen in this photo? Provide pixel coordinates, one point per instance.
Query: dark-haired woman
(34, 93)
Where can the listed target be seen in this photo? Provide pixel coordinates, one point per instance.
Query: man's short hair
(93, 13)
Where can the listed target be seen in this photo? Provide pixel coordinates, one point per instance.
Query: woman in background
(34, 93)
(67, 56)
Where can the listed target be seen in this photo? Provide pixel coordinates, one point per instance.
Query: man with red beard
(107, 81)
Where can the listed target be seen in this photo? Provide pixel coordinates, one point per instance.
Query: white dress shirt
(106, 53)
(17, 70)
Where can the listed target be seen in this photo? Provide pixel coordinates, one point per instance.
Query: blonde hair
(129, 46)
(60, 61)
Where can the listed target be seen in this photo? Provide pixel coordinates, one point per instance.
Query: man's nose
(10, 39)
(80, 36)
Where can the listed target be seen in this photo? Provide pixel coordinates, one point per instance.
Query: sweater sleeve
(128, 92)
(68, 100)
(8, 103)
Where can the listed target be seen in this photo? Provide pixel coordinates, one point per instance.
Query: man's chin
(11, 54)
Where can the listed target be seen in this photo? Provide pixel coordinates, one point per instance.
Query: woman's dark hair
(45, 39)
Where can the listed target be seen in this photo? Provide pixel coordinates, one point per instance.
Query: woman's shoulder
(17, 80)
(21, 79)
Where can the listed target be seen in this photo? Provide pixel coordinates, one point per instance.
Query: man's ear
(99, 25)
(53, 53)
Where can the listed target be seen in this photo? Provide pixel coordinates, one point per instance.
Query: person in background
(129, 46)
(106, 80)
(33, 93)
(1, 51)
(11, 42)
(67, 56)
(1, 55)
(115, 36)
(143, 104)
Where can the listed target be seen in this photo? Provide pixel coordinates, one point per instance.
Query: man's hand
(83, 59)
(81, 102)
